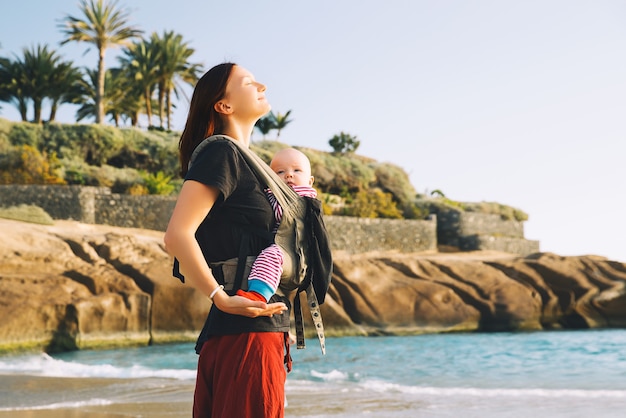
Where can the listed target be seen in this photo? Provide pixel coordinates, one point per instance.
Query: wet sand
(147, 398)
(133, 397)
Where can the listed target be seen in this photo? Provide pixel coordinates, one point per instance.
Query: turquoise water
(555, 374)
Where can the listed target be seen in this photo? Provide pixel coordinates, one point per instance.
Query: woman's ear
(222, 107)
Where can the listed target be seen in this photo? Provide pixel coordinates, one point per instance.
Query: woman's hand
(238, 305)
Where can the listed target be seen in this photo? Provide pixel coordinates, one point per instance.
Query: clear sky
(519, 102)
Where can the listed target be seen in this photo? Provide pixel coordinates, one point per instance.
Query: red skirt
(241, 376)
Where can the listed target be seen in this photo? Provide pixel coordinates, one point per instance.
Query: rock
(73, 286)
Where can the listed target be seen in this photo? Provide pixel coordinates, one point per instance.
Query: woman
(241, 347)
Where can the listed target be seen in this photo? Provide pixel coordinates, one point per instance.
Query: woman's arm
(194, 203)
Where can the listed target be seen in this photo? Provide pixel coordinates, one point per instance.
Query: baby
(294, 168)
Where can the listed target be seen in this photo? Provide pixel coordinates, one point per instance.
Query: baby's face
(292, 167)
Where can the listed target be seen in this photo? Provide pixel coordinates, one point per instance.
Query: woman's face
(245, 97)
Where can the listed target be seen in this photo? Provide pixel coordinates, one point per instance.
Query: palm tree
(13, 85)
(140, 66)
(63, 80)
(114, 94)
(104, 26)
(173, 67)
(265, 124)
(38, 75)
(38, 65)
(5, 95)
(129, 106)
(281, 121)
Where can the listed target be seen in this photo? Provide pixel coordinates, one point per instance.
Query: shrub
(444, 204)
(414, 210)
(94, 144)
(26, 134)
(25, 165)
(373, 204)
(344, 143)
(154, 150)
(27, 213)
(158, 183)
(138, 190)
(392, 179)
(335, 173)
(506, 212)
(5, 128)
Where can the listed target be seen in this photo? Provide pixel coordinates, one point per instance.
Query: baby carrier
(302, 237)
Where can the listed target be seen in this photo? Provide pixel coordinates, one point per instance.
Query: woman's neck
(240, 132)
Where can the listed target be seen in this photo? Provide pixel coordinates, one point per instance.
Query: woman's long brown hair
(203, 120)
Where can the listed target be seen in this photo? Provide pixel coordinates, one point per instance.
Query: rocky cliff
(72, 285)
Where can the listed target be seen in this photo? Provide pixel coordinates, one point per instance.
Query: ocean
(531, 374)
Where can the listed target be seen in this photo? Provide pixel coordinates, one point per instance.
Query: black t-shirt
(241, 201)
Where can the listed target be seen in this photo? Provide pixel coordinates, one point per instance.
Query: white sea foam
(45, 365)
(58, 405)
(381, 386)
(332, 376)
(336, 380)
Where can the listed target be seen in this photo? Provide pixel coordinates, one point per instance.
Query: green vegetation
(92, 155)
(26, 213)
(344, 143)
(141, 162)
(442, 204)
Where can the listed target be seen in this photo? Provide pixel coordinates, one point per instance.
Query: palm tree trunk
(169, 109)
(37, 108)
(148, 101)
(100, 87)
(162, 94)
(23, 110)
(53, 111)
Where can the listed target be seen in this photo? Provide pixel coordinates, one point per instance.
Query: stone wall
(465, 231)
(469, 231)
(519, 246)
(60, 202)
(100, 206)
(147, 212)
(361, 235)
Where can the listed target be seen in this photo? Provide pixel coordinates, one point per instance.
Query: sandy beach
(147, 399)
(150, 398)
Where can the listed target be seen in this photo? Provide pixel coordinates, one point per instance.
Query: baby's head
(293, 167)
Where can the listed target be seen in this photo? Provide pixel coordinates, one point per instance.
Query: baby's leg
(265, 273)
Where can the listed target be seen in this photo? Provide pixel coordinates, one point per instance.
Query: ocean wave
(337, 381)
(332, 376)
(59, 405)
(45, 365)
(382, 386)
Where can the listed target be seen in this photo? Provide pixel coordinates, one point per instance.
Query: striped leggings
(268, 266)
